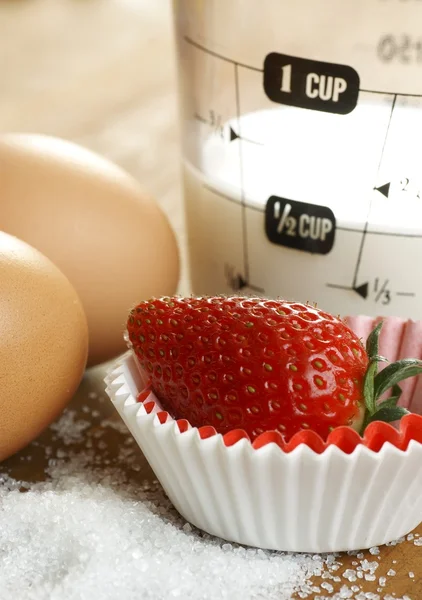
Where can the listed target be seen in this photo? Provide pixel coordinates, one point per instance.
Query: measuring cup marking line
(200, 118)
(188, 40)
(242, 186)
(338, 227)
(362, 243)
(236, 281)
(339, 287)
(363, 290)
(218, 193)
(230, 199)
(384, 233)
(390, 93)
(220, 56)
(387, 233)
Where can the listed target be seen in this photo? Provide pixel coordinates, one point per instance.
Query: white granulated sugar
(118, 426)
(89, 532)
(69, 429)
(79, 539)
(96, 531)
(418, 541)
(327, 586)
(345, 592)
(369, 566)
(396, 542)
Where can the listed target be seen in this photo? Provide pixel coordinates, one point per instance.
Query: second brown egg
(94, 222)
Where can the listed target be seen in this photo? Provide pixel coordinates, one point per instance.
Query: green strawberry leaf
(369, 387)
(375, 384)
(395, 372)
(391, 402)
(379, 358)
(396, 390)
(372, 343)
(388, 415)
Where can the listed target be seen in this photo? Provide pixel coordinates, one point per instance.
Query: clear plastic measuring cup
(302, 150)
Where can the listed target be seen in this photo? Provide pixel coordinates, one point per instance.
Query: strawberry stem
(377, 383)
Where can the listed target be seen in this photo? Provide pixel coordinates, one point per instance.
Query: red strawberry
(259, 365)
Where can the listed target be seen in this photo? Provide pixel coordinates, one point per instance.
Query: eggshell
(43, 343)
(93, 221)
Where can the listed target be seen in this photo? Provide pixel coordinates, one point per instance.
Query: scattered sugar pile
(94, 532)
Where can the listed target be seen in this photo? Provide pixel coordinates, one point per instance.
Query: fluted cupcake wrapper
(400, 338)
(300, 500)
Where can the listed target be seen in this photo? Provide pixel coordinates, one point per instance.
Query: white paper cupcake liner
(299, 500)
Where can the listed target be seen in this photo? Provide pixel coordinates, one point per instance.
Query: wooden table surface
(102, 73)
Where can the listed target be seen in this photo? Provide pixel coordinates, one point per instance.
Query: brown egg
(43, 343)
(93, 221)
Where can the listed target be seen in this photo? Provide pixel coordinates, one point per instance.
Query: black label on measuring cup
(307, 227)
(312, 84)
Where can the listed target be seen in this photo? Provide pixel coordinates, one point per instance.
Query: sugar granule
(370, 566)
(118, 426)
(396, 542)
(70, 429)
(345, 592)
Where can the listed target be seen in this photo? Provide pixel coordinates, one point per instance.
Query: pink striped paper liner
(400, 338)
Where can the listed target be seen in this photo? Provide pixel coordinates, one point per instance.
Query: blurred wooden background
(100, 73)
